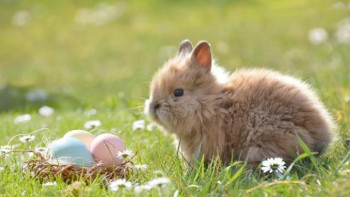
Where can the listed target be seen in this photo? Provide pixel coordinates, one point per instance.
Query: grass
(109, 66)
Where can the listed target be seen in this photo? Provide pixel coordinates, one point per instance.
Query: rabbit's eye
(178, 92)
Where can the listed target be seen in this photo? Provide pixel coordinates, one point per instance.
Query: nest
(41, 168)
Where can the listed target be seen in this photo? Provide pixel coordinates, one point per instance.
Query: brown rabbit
(252, 115)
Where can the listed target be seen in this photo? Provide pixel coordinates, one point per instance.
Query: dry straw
(41, 167)
(44, 170)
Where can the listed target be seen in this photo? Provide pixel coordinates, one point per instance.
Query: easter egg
(81, 135)
(70, 150)
(104, 148)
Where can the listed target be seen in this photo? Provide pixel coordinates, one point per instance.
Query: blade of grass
(237, 174)
(300, 157)
(309, 153)
(347, 156)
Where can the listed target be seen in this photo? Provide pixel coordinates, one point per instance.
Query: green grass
(109, 67)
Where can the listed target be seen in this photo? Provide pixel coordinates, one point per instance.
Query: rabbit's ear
(202, 55)
(185, 47)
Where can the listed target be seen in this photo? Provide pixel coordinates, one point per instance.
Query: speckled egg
(72, 151)
(104, 148)
(81, 135)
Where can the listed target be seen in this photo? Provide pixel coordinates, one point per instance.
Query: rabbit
(252, 115)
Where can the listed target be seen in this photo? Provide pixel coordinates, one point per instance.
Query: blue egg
(72, 151)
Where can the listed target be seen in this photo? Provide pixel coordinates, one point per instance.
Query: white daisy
(150, 127)
(343, 32)
(138, 125)
(140, 167)
(273, 165)
(22, 118)
(46, 111)
(347, 98)
(126, 154)
(5, 149)
(92, 124)
(158, 182)
(120, 184)
(50, 184)
(102, 13)
(140, 188)
(317, 36)
(339, 5)
(21, 18)
(27, 138)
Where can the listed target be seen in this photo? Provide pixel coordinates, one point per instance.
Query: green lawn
(85, 55)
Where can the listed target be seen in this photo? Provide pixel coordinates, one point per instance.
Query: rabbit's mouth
(153, 110)
(158, 111)
(150, 110)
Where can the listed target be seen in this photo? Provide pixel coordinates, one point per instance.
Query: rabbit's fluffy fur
(252, 115)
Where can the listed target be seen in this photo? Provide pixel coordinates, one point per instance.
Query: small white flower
(343, 32)
(46, 111)
(1, 168)
(339, 5)
(23, 118)
(82, 16)
(347, 98)
(5, 149)
(140, 167)
(317, 36)
(92, 124)
(27, 138)
(150, 127)
(21, 18)
(138, 125)
(125, 154)
(158, 182)
(30, 154)
(140, 188)
(50, 184)
(273, 165)
(120, 184)
(102, 13)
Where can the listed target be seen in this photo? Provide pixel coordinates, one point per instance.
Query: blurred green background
(94, 60)
(76, 53)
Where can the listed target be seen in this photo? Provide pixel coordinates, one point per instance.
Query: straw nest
(43, 169)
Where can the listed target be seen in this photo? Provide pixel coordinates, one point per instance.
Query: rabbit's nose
(156, 106)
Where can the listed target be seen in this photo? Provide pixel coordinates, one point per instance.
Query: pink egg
(104, 148)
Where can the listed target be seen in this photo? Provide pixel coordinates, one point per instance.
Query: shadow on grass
(14, 98)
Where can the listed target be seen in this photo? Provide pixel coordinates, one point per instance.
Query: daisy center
(275, 166)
